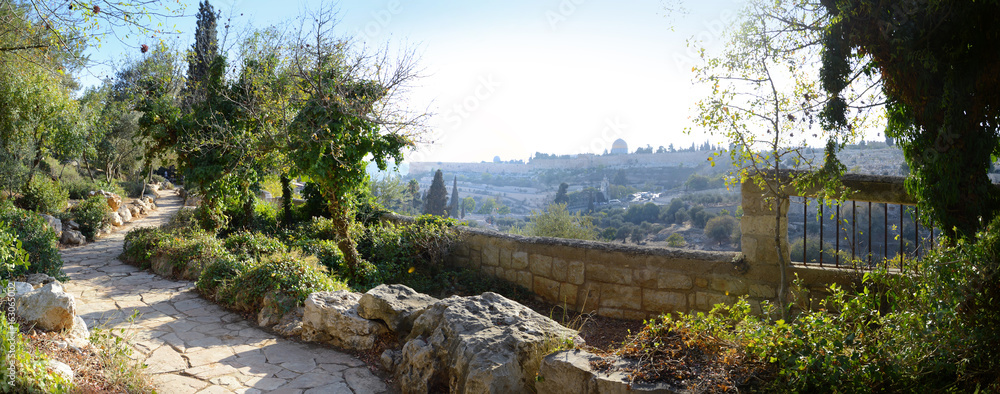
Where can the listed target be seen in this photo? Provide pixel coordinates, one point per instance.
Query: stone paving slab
(190, 344)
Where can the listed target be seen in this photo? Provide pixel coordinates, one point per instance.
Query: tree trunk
(341, 223)
(286, 199)
(782, 265)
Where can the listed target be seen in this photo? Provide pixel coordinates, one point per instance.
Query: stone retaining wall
(634, 282)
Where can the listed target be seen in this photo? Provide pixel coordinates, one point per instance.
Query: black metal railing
(885, 235)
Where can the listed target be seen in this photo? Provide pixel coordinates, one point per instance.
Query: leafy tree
(413, 191)
(437, 196)
(762, 97)
(468, 205)
(676, 240)
(557, 222)
(721, 229)
(938, 71)
(352, 116)
(561, 197)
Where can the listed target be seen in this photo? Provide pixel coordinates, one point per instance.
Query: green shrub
(12, 255)
(43, 195)
(79, 189)
(36, 238)
(91, 214)
(142, 244)
(266, 216)
(315, 205)
(285, 274)
(219, 274)
(210, 219)
(197, 249)
(133, 188)
(183, 220)
(252, 245)
(397, 251)
(156, 178)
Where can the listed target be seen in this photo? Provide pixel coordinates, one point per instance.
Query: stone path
(190, 344)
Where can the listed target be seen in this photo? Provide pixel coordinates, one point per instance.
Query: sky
(511, 78)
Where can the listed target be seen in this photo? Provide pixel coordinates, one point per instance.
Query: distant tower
(619, 147)
(604, 186)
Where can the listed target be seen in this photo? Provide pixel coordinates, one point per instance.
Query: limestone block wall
(610, 279)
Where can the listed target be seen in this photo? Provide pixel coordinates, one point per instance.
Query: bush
(722, 229)
(91, 214)
(220, 274)
(285, 274)
(315, 205)
(133, 188)
(197, 250)
(209, 219)
(676, 240)
(31, 374)
(399, 250)
(142, 244)
(43, 195)
(252, 245)
(36, 238)
(79, 189)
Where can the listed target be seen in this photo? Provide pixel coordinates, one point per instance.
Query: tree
(203, 53)
(453, 209)
(762, 96)
(437, 196)
(413, 191)
(721, 229)
(557, 222)
(352, 116)
(468, 205)
(561, 197)
(676, 240)
(938, 71)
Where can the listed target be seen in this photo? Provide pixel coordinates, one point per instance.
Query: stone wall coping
(681, 254)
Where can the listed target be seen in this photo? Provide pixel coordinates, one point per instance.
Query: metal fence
(856, 234)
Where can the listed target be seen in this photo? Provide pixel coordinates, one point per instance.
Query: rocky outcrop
(332, 317)
(569, 372)
(48, 307)
(54, 223)
(395, 305)
(481, 344)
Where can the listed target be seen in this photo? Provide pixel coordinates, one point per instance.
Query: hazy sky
(510, 78)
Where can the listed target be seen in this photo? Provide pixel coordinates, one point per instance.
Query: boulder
(396, 305)
(125, 214)
(79, 335)
(569, 372)
(114, 200)
(274, 306)
(332, 317)
(290, 324)
(73, 237)
(115, 219)
(60, 368)
(73, 225)
(54, 223)
(38, 280)
(48, 307)
(22, 288)
(481, 344)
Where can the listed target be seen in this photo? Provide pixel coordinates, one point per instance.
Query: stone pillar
(757, 227)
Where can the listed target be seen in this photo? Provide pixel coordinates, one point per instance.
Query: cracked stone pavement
(192, 345)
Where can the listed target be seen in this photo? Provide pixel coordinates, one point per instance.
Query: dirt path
(190, 344)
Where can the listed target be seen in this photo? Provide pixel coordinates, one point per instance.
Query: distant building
(619, 147)
(496, 159)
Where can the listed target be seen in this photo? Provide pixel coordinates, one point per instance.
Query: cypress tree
(453, 206)
(437, 196)
(203, 52)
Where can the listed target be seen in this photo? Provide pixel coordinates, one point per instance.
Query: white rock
(22, 288)
(73, 237)
(61, 368)
(115, 219)
(37, 280)
(125, 214)
(396, 305)
(332, 317)
(569, 372)
(54, 223)
(468, 343)
(48, 308)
